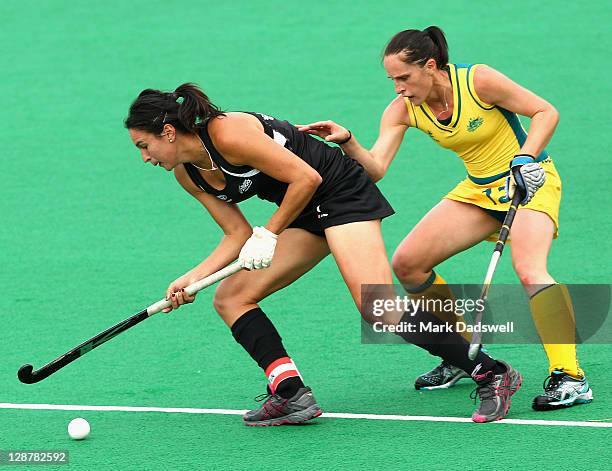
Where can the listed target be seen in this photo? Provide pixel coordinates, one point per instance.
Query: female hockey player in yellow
(472, 110)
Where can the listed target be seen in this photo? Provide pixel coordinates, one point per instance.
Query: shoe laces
(270, 402)
(554, 385)
(552, 382)
(485, 390)
(264, 396)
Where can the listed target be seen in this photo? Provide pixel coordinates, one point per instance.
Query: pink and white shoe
(495, 392)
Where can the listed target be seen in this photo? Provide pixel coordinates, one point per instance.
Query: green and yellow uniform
(486, 137)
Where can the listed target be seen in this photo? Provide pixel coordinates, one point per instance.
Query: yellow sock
(436, 289)
(553, 315)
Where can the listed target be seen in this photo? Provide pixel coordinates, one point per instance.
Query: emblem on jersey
(244, 186)
(265, 116)
(320, 214)
(224, 198)
(474, 124)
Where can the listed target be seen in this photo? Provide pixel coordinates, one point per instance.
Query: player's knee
(367, 315)
(407, 266)
(379, 305)
(220, 302)
(366, 311)
(226, 301)
(363, 308)
(230, 299)
(529, 273)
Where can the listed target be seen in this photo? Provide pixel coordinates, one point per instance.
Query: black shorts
(354, 198)
(499, 215)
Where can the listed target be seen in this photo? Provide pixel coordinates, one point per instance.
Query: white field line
(406, 418)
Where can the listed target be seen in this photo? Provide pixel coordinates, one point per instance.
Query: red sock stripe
(276, 363)
(282, 376)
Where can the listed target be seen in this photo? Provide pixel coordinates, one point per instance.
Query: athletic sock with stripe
(258, 336)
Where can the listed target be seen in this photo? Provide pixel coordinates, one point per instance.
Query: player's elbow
(554, 114)
(239, 232)
(313, 180)
(234, 241)
(305, 183)
(242, 235)
(377, 173)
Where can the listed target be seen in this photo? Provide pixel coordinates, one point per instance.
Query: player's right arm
(393, 125)
(236, 231)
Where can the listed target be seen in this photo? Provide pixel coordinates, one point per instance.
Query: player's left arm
(495, 88)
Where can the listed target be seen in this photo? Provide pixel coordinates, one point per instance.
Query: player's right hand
(258, 250)
(327, 130)
(527, 177)
(177, 295)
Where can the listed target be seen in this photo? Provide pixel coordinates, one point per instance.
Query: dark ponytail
(417, 47)
(186, 109)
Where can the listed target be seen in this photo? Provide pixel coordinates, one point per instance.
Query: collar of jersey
(456, 101)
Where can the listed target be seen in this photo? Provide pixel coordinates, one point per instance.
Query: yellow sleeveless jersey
(486, 137)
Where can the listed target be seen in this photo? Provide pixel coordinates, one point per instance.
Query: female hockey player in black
(326, 204)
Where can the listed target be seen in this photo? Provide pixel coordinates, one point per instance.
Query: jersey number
(502, 199)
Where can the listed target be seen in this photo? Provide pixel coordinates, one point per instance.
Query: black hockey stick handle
(497, 252)
(28, 376)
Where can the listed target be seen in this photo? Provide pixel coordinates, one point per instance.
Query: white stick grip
(198, 286)
(491, 269)
(476, 336)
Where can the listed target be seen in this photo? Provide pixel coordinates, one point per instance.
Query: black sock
(258, 336)
(499, 368)
(450, 346)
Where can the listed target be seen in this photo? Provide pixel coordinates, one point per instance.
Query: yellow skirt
(492, 195)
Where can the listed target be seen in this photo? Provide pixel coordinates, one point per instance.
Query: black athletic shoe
(441, 377)
(562, 390)
(277, 410)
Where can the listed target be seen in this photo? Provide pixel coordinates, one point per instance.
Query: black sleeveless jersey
(243, 182)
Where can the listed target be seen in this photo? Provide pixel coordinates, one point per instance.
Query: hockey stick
(497, 251)
(27, 376)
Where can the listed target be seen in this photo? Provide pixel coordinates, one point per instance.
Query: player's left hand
(526, 175)
(176, 294)
(328, 130)
(258, 251)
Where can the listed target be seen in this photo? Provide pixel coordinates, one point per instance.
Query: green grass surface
(90, 235)
(177, 441)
